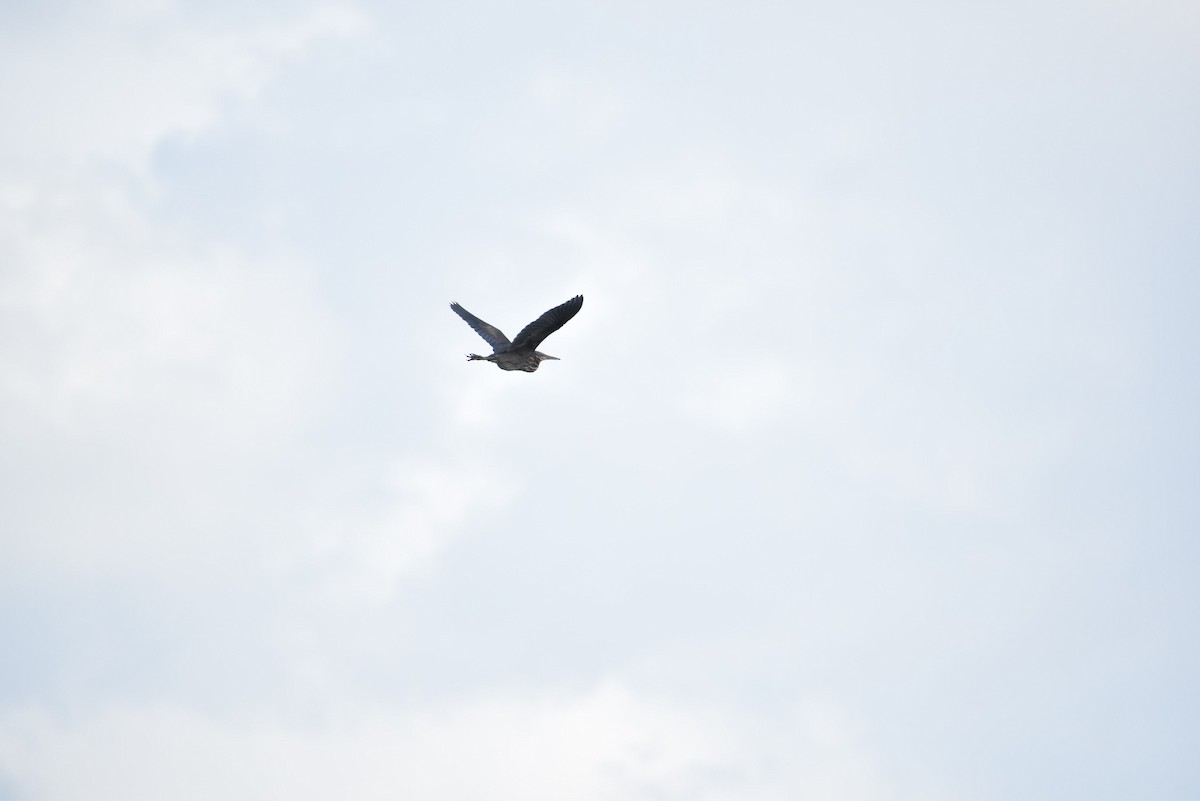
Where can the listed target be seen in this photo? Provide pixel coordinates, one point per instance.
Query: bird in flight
(522, 352)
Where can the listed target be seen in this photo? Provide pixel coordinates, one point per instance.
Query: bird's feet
(474, 357)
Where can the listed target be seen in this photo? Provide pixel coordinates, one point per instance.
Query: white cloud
(175, 363)
(109, 86)
(110, 318)
(865, 322)
(608, 742)
(590, 108)
(362, 547)
(742, 392)
(849, 350)
(105, 309)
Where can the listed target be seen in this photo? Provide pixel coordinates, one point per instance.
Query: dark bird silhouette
(521, 353)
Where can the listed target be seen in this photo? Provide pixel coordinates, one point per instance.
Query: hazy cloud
(864, 473)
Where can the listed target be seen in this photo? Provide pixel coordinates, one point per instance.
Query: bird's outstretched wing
(532, 335)
(490, 333)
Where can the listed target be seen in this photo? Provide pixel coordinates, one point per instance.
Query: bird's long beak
(555, 358)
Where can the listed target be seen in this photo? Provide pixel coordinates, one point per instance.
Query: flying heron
(521, 353)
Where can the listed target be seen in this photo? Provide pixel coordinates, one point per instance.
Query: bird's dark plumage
(521, 353)
(490, 333)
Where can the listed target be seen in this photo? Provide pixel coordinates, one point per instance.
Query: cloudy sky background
(868, 472)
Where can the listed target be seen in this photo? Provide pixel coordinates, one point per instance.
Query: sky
(867, 472)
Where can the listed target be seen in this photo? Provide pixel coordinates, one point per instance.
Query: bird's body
(521, 353)
(512, 361)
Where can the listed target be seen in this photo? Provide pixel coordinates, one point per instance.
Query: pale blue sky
(868, 471)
